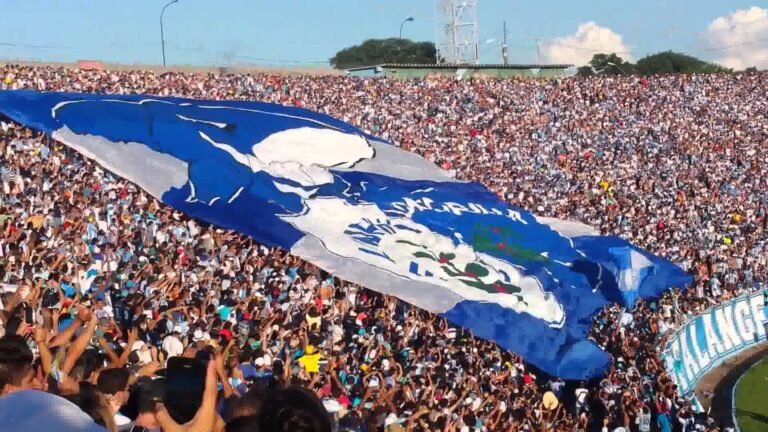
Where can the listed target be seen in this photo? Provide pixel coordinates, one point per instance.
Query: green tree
(585, 71)
(611, 64)
(378, 51)
(671, 63)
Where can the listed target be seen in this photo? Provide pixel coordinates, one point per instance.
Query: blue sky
(204, 32)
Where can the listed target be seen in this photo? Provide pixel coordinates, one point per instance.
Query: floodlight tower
(456, 31)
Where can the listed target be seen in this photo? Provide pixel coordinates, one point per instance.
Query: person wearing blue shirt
(663, 421)
(68, 289)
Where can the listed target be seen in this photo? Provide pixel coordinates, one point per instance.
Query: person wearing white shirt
(172, 345)
(581, 398)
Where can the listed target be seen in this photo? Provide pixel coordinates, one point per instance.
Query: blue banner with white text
(705, 341)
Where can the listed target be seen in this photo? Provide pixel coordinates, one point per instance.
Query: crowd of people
(102, 285)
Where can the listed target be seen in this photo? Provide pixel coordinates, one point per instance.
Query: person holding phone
(205, 419)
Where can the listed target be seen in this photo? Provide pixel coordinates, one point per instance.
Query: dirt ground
(714, 390)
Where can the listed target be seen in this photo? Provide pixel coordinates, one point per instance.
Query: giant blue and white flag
(365, 211)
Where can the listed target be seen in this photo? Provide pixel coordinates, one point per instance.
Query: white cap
(476, 404)
(260, 361)
(35, 410)
(391, 419)
(332, 405)
(177, 329)
(197, 335)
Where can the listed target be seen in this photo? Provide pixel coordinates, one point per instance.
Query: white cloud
(738, 40)
(578, 48)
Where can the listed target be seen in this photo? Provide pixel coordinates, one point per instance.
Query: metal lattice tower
(456, 31)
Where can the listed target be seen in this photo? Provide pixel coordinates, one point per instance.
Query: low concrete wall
(240, 68)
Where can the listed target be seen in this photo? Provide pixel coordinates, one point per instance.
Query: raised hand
(84, 314)
(206, 419)
(40, 335)
(150, 369)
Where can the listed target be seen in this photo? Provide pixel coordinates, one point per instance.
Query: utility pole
(456, 32)
(504, 49)
(409, 19)
(162, 34)
(538, 51)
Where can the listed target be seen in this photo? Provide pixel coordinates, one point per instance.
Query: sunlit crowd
(102, 284)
